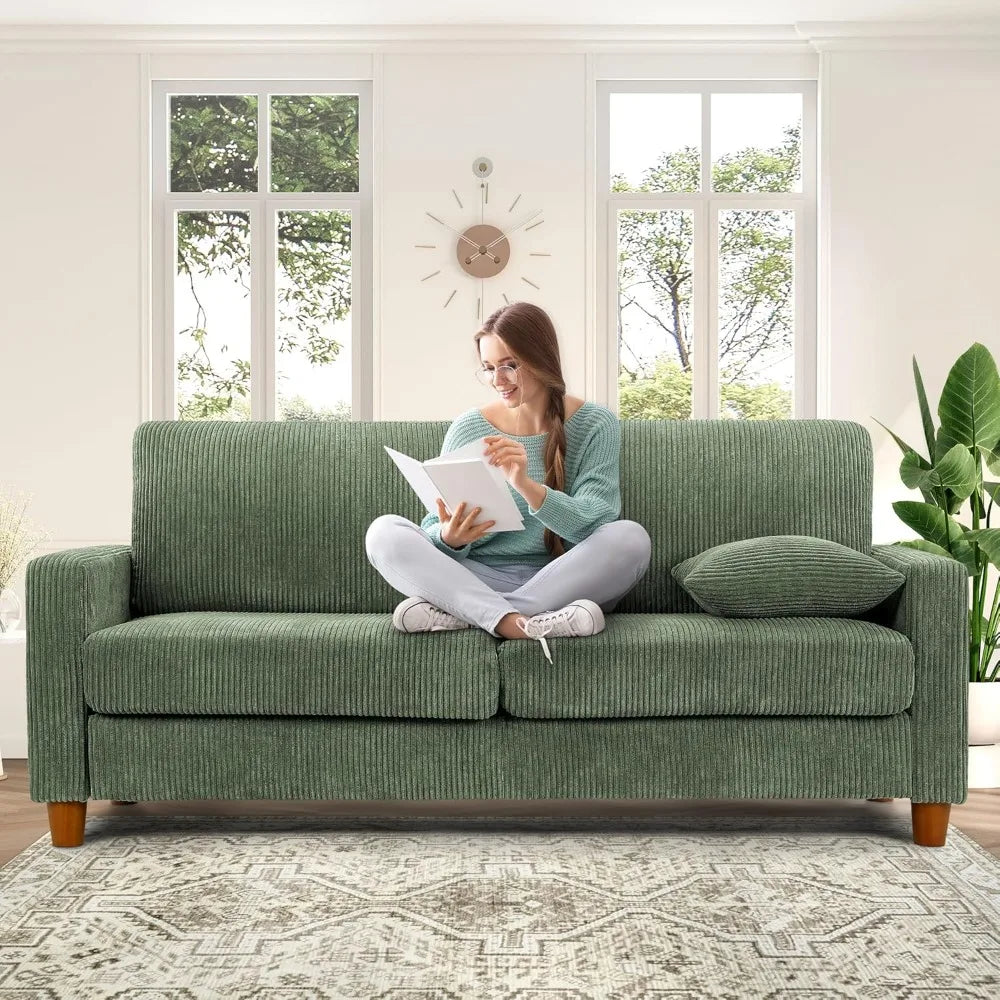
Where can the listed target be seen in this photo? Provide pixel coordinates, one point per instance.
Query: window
(262, 223)
(707, 192)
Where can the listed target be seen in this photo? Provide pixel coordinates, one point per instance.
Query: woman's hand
(509, 455)
(457, 529)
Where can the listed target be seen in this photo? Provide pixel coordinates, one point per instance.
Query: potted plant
(969, 435)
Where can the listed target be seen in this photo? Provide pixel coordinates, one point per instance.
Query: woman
(560, 455)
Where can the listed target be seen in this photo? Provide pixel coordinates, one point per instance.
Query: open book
(463, 474)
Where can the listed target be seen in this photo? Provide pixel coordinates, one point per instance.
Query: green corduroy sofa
(241, 647)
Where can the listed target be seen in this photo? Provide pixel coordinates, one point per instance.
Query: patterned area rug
(500, 908)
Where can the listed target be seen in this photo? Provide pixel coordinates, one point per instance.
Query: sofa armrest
(932, 610)
(68, 595)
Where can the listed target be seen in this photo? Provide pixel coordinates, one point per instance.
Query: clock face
(483, 249)
(483, 263)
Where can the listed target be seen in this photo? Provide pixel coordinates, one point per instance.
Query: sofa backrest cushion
(272, 515)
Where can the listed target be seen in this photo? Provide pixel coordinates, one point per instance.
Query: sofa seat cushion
(257, 663)
(699, 664)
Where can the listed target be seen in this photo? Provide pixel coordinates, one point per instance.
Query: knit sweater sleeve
(431, 524)
(596, 497)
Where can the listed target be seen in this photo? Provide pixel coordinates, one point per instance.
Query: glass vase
(11, 611)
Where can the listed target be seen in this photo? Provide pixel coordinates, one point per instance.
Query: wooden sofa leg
(930, 822)
(66, 821)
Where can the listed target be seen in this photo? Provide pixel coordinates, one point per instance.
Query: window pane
(212, 315)
(313, 321)
(756, 313)
(655, 283)
(314, 142)
(756, 142)
(213, 142)
(655, 142)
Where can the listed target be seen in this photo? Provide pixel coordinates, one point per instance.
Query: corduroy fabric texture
(786, 575)
(592, 496)
(272, 515)
(149, 757)
(932, 610)
(251, 663)
(270, 518)
(695, 664)
(68, 595)
(217, 663)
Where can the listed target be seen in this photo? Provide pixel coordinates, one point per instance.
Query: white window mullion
(710, 313)
(363, 364)
(799, 323)
(167, 401)
(705, 358)
(262, 375)
(805, 393)
(360, 392)
(611, 353)
(258, 278)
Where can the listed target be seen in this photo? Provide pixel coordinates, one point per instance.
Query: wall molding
(405, 34)
(800, 37)
(826, 36)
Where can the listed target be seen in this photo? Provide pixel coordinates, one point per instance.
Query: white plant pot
(984, 712)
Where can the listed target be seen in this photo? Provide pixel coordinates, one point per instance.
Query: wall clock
(483, 248)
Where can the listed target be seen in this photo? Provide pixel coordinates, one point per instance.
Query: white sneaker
(416, 614)
(582, 617)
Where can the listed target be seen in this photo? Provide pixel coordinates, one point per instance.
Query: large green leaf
(917, 473)
(993, 489)
(925, 413)
(988, 540)
(924, 546)
(991, 456)
(955, 470)
(969, 407)
(930, 496)
(929, 520)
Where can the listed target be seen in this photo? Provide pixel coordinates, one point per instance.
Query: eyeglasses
(487, 375)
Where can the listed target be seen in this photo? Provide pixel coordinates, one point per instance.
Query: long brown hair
(527, 330)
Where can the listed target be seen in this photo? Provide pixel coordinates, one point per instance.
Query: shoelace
(538, 626)
(441, 619)
(537, 630)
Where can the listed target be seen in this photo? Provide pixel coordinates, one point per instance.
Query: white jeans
(603, 567)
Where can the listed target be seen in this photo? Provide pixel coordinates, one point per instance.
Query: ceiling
(527, 12)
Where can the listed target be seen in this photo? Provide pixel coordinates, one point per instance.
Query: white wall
(69, 288)
(69, 308)
(911, 155)
(914, 187)
(526, 113)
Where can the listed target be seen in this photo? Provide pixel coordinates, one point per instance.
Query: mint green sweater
(592, 496)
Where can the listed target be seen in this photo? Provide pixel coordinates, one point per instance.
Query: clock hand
(514, 230)
(462, 236)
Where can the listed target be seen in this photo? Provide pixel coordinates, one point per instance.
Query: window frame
(262, 206)
(706, 205)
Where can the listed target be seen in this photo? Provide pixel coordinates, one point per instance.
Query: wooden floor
(22, 821)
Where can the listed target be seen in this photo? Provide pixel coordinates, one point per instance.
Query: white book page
(471, 480)
(417, 477)
(460, 475)
(474, 449)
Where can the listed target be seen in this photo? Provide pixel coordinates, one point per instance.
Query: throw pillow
(777, 575)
